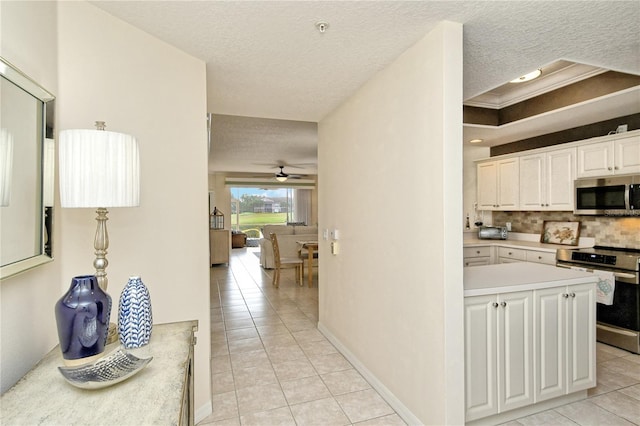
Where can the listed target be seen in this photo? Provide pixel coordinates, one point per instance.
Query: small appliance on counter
(492, 233)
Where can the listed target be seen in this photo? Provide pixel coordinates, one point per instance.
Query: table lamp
(99, 169)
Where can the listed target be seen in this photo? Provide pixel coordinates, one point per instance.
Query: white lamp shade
(98, 169)
(6, 166)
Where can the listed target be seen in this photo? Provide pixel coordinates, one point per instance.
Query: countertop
(519, 276)
(523, 241)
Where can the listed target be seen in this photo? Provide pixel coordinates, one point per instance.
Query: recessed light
(527, 77)
(476, 140)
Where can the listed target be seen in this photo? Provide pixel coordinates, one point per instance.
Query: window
(252, 208)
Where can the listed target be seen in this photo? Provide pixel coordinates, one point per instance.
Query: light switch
(334, 248)
(336, 234)
(325, 234)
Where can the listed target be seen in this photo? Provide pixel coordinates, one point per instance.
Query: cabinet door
(581, 338)
(487, 175)
(480, 356)
(532, 182)
(508, 184)
(627, 155)
(515, 350)
(550, 342)
(560, 174)
(595, 159)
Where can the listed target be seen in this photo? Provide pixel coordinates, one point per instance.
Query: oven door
(619, 323)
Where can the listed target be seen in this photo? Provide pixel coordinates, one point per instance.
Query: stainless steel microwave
(612, 196)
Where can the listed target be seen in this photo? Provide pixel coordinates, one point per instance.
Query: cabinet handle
(510, 253)
(477, 251)
(495, 304)
(503, 304)
(573, 295)
(565, 295)
(609, 168)
(615, 168)
(539, 257)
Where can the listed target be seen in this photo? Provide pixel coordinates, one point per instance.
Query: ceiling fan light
(527, 77)
(281, 178)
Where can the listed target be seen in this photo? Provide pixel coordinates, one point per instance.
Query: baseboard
(385, 393)
(203, 412)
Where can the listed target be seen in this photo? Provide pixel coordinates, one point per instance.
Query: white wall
(139, 85)
(393, 296)
(27, 324)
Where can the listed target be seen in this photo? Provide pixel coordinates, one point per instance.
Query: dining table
(312, 248)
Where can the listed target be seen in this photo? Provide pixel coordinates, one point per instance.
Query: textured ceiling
(266, 59)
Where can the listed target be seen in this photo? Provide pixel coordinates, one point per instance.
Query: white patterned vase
(134, 314)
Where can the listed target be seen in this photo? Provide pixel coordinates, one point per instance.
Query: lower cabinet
(528, 346)
(477, 256)
(498, 353)
(564, 340)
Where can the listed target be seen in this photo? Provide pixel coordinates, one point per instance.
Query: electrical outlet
(622, 128)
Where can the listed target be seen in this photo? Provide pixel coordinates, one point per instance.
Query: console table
(162, 393)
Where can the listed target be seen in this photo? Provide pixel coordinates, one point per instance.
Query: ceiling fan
(281, 176)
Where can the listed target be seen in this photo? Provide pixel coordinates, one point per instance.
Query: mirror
(27, 157)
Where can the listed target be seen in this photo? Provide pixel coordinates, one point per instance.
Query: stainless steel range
(619, 323)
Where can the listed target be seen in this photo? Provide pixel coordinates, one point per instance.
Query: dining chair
(284, 262)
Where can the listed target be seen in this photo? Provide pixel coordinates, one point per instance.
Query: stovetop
(613, 257)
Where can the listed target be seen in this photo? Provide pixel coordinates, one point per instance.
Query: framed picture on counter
(555, 232)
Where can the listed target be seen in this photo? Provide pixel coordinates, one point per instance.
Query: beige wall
(27, 325)
(139, 85)
(392, 298)
(108, 70)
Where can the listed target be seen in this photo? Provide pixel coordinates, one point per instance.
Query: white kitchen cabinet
(546, 180)
(509, 255)
(477, 256)
(548, 258)
(612, 157)
(498, 353)
(498, 187)
(565, 340)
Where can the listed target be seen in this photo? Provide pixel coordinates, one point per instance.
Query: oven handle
(615, 274)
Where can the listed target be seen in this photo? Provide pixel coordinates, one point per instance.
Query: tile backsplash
(608, 231)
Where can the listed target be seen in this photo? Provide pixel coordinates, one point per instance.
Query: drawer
(484, 251)
(511, 253)
(541, 257)
(477, 261)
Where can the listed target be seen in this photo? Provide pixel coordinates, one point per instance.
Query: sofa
(288, 236)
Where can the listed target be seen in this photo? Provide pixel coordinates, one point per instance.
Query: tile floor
(271, 366)
(269, 363)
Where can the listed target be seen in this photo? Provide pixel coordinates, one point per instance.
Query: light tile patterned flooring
(270, 365)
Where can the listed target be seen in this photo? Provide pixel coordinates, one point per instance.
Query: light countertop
(523, 241)
(519, 276)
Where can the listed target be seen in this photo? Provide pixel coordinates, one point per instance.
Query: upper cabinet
(498, 187)
(546, 180)
(543, 179)
(614, 157)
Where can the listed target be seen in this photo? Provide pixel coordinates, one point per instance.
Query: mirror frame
(17, 77)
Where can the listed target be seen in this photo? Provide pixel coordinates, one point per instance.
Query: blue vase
(82, 317)
(135, 320)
